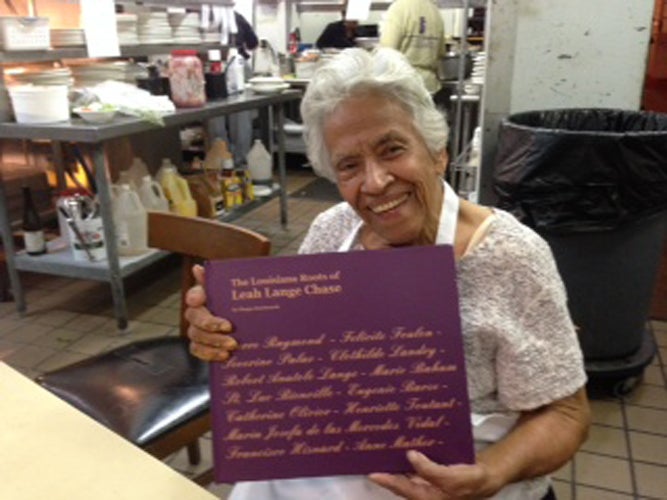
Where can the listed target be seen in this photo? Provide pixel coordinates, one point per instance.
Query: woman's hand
(542, 441)
(209, 335)
(439, 482)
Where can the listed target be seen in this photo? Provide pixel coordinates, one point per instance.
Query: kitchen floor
(625, 456)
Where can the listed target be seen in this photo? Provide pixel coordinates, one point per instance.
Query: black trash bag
(582, 169)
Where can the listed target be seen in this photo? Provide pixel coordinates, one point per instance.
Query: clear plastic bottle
(235, 72)
(131, 222)
(186, 79)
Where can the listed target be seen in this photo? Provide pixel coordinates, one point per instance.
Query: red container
(186, 79)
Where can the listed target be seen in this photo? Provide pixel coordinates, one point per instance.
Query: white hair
(357, 71)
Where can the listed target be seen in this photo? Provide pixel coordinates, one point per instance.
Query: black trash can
(593, 183)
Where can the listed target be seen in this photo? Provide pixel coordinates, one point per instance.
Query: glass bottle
(33, 230)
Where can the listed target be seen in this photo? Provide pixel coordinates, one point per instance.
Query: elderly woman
(372, 128)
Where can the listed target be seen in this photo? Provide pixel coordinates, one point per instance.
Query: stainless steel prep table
(115, 268)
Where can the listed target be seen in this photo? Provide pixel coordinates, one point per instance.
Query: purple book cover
(347, 360)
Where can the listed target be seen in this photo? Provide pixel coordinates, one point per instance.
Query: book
(346, 361)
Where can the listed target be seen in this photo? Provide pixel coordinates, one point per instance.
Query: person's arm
(210, 336)
(542, 441)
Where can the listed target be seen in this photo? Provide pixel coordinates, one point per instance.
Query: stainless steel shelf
(55, 54)
(76, 130)
(59, 261)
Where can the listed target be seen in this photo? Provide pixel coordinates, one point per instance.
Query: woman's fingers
(426, 468)
(206, 353)
(407, 487)
(202, 318)
(198, 273)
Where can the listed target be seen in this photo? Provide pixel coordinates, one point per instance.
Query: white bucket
(40, 103)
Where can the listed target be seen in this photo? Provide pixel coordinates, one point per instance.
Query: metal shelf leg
(115, 277)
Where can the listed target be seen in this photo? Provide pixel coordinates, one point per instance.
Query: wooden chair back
(197, 239)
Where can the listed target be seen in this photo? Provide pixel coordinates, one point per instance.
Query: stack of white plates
(478, 68)
(126, 26)
(67, 38)
(90, 74)
(153, 28)
(210, 37)
(39, 76)
(185, 27)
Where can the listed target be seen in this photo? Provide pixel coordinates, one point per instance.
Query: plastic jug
(137, 171)
(131, 221)
(218, 156)
(259, 163)
(152, 196)
(124, 177)
(176, 190)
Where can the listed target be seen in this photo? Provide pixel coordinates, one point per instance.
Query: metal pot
(448, 66)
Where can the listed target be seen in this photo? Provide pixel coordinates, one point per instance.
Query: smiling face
(385, 171)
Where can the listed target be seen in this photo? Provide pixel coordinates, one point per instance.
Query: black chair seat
(152, 386)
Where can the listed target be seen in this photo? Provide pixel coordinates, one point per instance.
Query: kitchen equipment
(80, 241)
(84, 228)
(448, 66)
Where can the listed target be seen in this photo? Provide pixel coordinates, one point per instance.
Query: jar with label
(186, 79)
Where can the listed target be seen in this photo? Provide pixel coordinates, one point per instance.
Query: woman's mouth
(390, 205)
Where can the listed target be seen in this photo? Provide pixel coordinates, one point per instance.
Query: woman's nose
(376, 177)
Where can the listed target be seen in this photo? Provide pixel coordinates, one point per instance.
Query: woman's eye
(343, 167)
(393, 151)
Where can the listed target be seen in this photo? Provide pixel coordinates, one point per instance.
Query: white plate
(269, 89)
(260, 190)
(95, 116)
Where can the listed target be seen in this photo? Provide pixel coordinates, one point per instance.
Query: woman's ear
(441, 162)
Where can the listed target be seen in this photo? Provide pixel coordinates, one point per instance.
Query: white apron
(486, 428)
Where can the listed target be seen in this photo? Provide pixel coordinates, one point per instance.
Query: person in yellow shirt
(416, 28)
